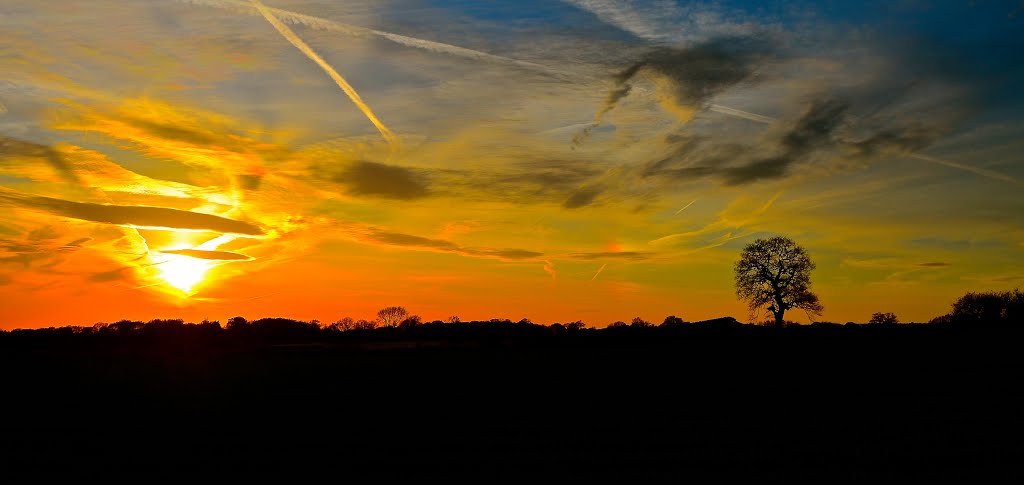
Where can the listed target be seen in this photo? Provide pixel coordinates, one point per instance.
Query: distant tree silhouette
(775, 274)
(454, 319)
(237, 323)
(884, 319)
(410, 321)
(391, 316)
(125, 326)
(364, 325)
(640, 322)
(577, 325)
(618, 324)
(343, 325)
(672, 320)
(989, 308)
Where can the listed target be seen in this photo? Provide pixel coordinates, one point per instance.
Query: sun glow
(184, 273)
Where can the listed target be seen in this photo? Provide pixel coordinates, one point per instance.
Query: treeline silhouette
(975, 310)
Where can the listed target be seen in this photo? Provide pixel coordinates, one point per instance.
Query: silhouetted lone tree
(391, 316)
(775, 274)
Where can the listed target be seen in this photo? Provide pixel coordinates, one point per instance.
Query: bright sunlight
(184, 273)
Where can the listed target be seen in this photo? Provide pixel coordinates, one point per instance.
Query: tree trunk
(778, 318)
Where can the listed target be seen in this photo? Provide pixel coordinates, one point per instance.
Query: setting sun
(183, 273)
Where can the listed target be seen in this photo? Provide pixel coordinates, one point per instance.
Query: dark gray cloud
(541, 180)
(810, 132)
(42, 234)
(828, 125)
(815, 127)
(887, 99)
(108, 276)
(175, 132)
(132, 215)
(533, 179)
(769, 168)
(210, 255)
(418, 242)
(696, 73)
(379, 180)
(582, 197)
(399, 239)
(505, 253)
(692, 157)
(249, 181)
(543, 175)
(10, 147)
(76, 244)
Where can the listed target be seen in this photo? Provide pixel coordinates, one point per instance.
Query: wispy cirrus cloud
(666, 22)
(379, 236)
(626, 255)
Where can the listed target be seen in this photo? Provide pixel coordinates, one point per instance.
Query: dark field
(899, 404)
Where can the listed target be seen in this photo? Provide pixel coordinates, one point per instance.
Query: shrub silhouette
(884, 319)
(993, 308)
(671, 321)
(640, 323)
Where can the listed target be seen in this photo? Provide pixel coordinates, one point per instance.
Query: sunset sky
(582, 159)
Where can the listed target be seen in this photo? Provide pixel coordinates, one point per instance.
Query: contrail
(599, 270)
(340, 81)
(365, 33)
(741, 114)
(687, 206)
(984, 172)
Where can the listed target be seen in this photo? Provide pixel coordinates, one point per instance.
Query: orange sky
(208, 159)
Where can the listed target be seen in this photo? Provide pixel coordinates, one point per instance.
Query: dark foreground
(894, 406)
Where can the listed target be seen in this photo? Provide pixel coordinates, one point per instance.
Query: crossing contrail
(599, 270)
(320, 23)
(288, 34)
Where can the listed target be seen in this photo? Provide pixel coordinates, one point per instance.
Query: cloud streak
(379, 236)
(208, 255)
(137, 216)
(12, 148)
(380, 180)
(628, 255)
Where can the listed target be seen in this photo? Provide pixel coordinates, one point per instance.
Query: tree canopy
(391, 316)
(775, 274)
